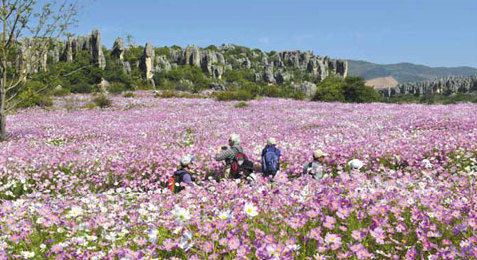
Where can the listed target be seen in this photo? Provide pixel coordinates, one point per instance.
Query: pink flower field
(78, 183)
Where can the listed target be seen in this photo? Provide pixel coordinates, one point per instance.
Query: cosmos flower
(250, 209)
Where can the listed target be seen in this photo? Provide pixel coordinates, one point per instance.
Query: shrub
(102, 101)
(173, 94)
(233, 95)
(241, 104)
(90, 106)
(351, 89)
(116, 87)
(30, 98)
(129, 95)
(82, 88)
(61, 92)
(330, 90)
(355, 91)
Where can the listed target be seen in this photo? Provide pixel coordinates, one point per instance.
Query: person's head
(271, 141)
(319, 155)
(186, 161)
(234, 139)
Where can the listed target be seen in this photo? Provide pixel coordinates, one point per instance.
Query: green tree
(43, 24)
(330, 90)
(355, 91)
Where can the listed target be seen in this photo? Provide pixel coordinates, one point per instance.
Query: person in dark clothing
(183, 176)
(270, 158)
(228, 154)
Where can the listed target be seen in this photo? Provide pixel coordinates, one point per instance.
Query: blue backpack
(270, 161)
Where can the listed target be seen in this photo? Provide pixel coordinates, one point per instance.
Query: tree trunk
(3, 112)
(3, 119)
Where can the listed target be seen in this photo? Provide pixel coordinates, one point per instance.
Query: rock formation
(444, 86)
(272, 68)
(147, 61)
(306, 87)
(90, 43)
(117, 52)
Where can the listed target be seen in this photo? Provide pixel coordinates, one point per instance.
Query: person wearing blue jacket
(270, 158)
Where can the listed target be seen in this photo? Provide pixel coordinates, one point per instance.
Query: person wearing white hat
(270, 158)
(228, 154)
(315, 168)
(183, 174)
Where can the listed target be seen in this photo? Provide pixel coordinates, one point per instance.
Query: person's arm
(224, 154)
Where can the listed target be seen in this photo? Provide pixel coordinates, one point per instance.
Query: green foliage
(241, 104)
(83, 87)
(432, 98)
(115, 73)
(330, 90)
(117, 87)
(61, 92)
(355, 91)
(162, 51)
(30, 98)
(102, 101)
(133, 54)
(242, 95)
(174, 94)
(129, 95)
(212, 48)
(351, 89)
(239, 75)
(193, 74)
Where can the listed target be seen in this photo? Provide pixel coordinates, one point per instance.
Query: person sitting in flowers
(270, 158)
(315, 168)
(183, 175)
(229, 154)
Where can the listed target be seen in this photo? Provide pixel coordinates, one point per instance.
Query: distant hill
(405, 72)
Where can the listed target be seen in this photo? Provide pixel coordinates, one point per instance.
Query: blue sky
(434, 33)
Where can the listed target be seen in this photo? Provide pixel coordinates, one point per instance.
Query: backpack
(174, 181)
(270, 161)
(235, 167)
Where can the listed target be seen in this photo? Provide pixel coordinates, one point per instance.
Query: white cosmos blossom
(224, 215)
(250, 210)
(75, 211)
(181, 214)
(27, 254)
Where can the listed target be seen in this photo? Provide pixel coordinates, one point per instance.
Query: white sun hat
(355, 164)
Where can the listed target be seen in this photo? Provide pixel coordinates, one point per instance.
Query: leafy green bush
(174, 94)
(31, 98)
(83, 88)
(61, 92)
(330, 90)
(350, 89)
(116, 87)
(355, 91)
(162, 51)
(241, 104)
(129, 95)
(233, 95)
(102, 101)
